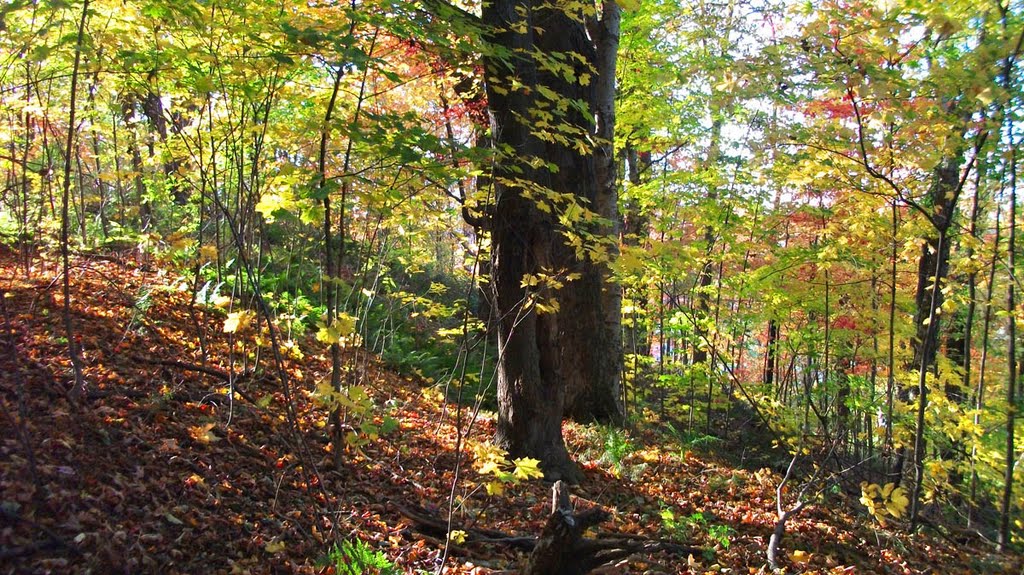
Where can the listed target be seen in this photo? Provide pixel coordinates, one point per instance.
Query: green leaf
(282, 58)
(40, 53)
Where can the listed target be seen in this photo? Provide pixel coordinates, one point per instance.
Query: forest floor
(160, 469)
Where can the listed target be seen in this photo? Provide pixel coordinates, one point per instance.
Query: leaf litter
(176, 464)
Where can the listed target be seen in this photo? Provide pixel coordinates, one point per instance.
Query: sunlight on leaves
(341, 331)
(238, 321)
(527, 468)
(203, 433)
(883, 501)
(492, 461)
(800, 557)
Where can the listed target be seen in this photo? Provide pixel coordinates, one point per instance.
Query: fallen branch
(436, 526)
(784, 515)
(211, 371)
(561, 548)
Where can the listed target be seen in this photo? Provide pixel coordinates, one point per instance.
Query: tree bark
(561, 548)
(331, 269)
(771, 360)
(531, 392)
(145, 207)
(933, 266)
(591, 340)
(74, 352)
(702, 311)
(1011, 353)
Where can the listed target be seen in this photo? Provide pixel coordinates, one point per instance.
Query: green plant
(357, 558)
(688, 525)
(720, 534)
(617, 447)
(677, 527)
(701, 440)
(691, 438)
(360, 410)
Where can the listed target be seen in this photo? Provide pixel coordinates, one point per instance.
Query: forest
(511, 286)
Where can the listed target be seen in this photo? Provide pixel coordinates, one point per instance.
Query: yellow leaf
(887, 490)
(326, 395)
(328, 335)
(487, 467)
(550, 307)
(986, 96)
(457, 536)
(279, 198)
(238, 321)
(650, 455)
(800, 557)
(487, 451)
(495, 488)
(208, 253)
(275, 546)
(203, 433)
(527, 467)
(338, 331)
(897, 504)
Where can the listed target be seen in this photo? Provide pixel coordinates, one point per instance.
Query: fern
(357, 558)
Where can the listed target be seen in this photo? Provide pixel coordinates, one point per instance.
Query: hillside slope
(162, 469)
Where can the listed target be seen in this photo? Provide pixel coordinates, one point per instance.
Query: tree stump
(561, 548)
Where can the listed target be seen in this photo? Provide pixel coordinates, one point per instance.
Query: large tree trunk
(540, 238)
(546, 357)
(531, 392)
(590, 338)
